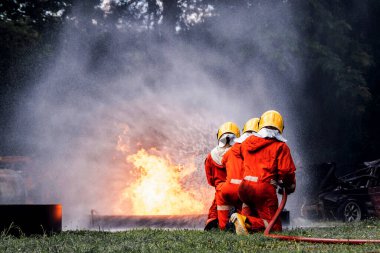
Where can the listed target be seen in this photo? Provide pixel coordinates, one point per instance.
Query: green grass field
(159, 240)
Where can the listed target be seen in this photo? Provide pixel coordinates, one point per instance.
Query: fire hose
(307, 239)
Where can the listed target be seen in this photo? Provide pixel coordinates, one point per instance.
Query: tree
(336, 41)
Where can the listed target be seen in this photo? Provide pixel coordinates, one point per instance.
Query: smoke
(169, 92)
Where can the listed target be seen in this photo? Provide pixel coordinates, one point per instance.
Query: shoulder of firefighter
(215, 173)
(217, 154)
(233, 151)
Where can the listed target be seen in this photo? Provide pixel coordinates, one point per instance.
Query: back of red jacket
(233, 162)
(267, 160)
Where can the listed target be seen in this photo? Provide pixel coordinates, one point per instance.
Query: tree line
(336, 41)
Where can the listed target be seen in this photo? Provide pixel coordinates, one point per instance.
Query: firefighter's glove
(288, 189)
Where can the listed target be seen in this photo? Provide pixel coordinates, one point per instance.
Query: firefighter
(227, 195)
(267, 164)
(215, 171)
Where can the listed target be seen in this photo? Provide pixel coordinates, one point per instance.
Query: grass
(159, 240)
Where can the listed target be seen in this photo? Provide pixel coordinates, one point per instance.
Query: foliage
(336, 43)
(338, 59)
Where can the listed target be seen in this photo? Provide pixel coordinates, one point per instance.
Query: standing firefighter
(215, 171)
(227, 195)
(267, 164)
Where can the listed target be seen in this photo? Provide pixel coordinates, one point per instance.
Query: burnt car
(352, 197)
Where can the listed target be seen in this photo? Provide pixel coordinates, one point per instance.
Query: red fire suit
(266, 162)
(215, 174)
(227, 194)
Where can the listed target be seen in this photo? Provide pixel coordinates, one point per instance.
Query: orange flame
(157, 189)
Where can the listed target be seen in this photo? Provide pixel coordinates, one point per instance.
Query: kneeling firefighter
(227, 194)
(215, 171)
(267, 164)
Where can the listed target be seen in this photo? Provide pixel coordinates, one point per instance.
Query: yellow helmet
(228, 127)
(251, 125)
(273, 119)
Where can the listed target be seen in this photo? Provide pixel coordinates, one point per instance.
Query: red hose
(307, 239)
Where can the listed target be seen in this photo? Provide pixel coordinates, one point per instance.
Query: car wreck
(351, 197)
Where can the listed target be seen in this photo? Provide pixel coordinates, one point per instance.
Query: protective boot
(239, 221)
(211, 224)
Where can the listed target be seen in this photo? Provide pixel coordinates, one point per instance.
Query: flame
(151, 183)
(157, 189)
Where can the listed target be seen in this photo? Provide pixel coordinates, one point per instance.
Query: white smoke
(170, 95)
